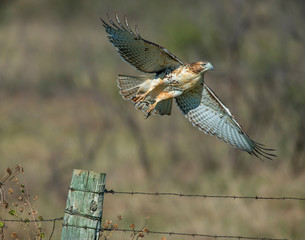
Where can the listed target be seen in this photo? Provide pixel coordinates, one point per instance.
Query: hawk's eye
(203, 65)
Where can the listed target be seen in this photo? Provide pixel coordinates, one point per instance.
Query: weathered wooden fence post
(84, 208)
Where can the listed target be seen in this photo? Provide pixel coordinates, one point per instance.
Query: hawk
(174, 79)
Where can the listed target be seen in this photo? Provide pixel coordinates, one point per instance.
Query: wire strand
(28, 220)
(176, 233)
(141, 231)
(202, 195)
(199, 235)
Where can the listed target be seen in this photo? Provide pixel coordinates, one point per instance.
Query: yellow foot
(149, 111)
(139, 98)
(147, 114)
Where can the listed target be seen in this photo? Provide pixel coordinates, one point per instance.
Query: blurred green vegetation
(60, 109)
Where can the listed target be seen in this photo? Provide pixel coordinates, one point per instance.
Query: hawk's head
(201, 67)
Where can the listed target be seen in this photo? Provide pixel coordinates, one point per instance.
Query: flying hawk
(174, 79)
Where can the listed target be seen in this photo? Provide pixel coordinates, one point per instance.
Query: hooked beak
(209, 66)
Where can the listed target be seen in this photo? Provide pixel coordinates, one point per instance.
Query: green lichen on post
(84, 207)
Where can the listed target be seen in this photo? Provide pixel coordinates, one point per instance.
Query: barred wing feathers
(205, 111)
(146, 56)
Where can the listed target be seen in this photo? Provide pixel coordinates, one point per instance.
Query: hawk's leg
(141, 97)
(155, 84)
(162, 96)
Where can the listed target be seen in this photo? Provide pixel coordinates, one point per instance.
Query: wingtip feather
(258, 150)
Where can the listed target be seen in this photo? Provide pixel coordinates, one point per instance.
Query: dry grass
(60, 110)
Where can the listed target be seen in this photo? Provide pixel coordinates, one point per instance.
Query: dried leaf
(34, 212)
(5, 204)
(14, 235)
(19, 168)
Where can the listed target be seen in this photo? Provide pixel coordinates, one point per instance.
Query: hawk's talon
(149, 111)
(147, 115)
(140, 98)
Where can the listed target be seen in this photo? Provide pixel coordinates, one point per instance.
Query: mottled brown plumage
(174, 79)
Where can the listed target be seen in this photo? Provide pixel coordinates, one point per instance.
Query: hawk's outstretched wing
(204, 110)
(144, 55)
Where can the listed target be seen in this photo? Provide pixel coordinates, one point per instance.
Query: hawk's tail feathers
(129, 85)
(164, 107)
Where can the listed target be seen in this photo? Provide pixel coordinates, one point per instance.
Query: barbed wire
(199, 235)
(176, 233)
(140, 231)
(161, 232)
(32, 220)
(202, 195)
